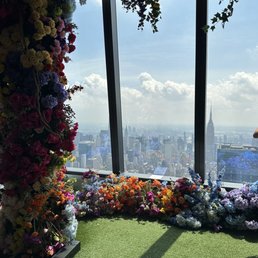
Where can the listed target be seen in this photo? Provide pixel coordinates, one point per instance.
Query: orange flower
(133, 179)
(125, 187)
(193, 187)
(131, 193)
(156, 183)
(122, 179)
(137, 187)
(141, 183)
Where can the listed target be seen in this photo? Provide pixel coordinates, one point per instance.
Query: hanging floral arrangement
(36, 127)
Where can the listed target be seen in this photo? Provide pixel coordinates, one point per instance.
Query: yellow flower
(37, 36)
(35, 15)
(169, 193)
(53, 32)
(52, 24)
(162, 210)
(47, 29)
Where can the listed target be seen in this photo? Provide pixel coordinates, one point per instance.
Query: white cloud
(234, 101)
(253, 52)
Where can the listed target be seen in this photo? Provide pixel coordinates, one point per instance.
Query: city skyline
(171, 152)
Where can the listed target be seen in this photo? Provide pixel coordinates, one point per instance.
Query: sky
(157, 70)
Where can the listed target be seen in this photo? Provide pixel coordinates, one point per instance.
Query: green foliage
(223, 16)
(148, 10)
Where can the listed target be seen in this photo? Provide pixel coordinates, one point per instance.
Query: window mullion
(113, 84)
(200, 86)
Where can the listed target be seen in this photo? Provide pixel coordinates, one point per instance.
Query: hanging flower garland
(36, 127)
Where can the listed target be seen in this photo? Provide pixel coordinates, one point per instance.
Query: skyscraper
(210, 140)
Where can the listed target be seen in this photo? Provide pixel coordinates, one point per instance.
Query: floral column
(36, 128)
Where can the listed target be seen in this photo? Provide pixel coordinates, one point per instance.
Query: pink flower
(50, 250)
(150, 196)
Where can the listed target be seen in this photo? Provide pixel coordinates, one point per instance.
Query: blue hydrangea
(46, 77)
(62, 94)
(49, 101)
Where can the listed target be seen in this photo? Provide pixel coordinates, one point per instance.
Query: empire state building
(210, 140)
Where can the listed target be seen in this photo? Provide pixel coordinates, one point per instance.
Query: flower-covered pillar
(36, 128)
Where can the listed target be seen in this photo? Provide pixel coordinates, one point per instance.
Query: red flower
(68, 145)
(71, 48)
(71, 38)
(38, 149)
(25, 162)
(53, 139)
(19, 101)
(15, 149)
(47, 113)
(69, 28)
(58, 111)
(30, 120)
(46, 160)
(61, 126)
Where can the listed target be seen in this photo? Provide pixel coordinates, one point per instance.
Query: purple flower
(154, 211)
(234, 193)
(241, 203)
(49, 101)
(254, 202)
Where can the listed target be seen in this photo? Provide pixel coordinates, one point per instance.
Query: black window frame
(113, 83)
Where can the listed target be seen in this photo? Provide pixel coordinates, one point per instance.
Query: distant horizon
(104, 126)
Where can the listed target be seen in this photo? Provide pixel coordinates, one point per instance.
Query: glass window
(87, 68)
(157, 88)
(232, 94)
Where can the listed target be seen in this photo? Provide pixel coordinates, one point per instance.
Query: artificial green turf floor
(132, 238)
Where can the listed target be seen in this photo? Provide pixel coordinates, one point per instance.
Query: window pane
(157, 88)
(87, 68)
(232, 95)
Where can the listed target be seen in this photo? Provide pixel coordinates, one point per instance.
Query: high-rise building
(210, 140)
(125, 139)
(240, 163)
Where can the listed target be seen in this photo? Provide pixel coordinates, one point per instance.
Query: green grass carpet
(132, 238)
